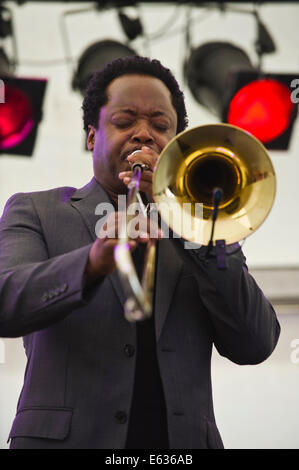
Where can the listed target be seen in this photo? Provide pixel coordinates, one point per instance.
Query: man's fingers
(145, 183)
(146, 155)
(127, 175)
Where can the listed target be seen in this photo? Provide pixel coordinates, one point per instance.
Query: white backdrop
(256, 406)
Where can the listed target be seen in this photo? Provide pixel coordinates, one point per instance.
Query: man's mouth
(129, 152)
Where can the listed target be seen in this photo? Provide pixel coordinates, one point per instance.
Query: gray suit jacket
(79, 378)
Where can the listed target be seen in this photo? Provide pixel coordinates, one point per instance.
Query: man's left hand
(149, 157)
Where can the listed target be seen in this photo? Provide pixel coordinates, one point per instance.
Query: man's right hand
(101, 260)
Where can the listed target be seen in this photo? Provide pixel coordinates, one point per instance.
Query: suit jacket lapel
(85, 200)
(169, 266)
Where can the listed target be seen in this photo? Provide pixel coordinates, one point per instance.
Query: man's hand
(101, 260)
(148, 157)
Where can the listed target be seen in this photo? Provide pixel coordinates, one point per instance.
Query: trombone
(190, 167)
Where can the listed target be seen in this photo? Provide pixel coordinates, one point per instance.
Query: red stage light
(263, 108)
(16, 118)
(21, 112)
(222, 78)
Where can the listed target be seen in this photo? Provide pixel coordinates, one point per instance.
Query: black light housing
(6, 67)
(21, 114)
(21, 99)
(132, 27)
(95, 57)
(222, 78)
(20, 109)
(207, 70)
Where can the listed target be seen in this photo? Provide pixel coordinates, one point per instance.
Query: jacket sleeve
(35, 290)
(246, 329)
(244, 324)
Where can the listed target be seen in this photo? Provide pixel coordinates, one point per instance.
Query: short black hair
(95, 94)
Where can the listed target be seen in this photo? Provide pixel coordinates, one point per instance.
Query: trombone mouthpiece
(140, 165)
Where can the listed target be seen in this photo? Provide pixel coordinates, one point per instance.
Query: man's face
(139, 112)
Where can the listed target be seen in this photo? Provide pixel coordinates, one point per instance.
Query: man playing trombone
(94, 379)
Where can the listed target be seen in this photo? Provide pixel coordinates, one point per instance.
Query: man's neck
(112, 192)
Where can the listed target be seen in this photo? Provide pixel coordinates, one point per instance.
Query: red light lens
(263, 108)
(16, 118)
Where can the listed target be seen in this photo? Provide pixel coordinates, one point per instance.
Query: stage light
(20, 114)
(96, 57)
(221, 77)
(262, 105)
(6, 26)
(132, 27)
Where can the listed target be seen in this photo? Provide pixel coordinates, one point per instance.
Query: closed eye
(123, 123)
(162, 127)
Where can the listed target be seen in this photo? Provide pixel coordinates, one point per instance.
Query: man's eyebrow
(132, 112)
(127, 110)
(158, 113)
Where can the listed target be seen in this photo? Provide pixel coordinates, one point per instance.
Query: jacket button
(129, 350)
(121, 417)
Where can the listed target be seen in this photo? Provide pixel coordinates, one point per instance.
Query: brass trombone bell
(217, 155)
(190, 167)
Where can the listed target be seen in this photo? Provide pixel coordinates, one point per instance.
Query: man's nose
(142, 134)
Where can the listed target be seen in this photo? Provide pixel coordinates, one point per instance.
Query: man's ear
(90, 137)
